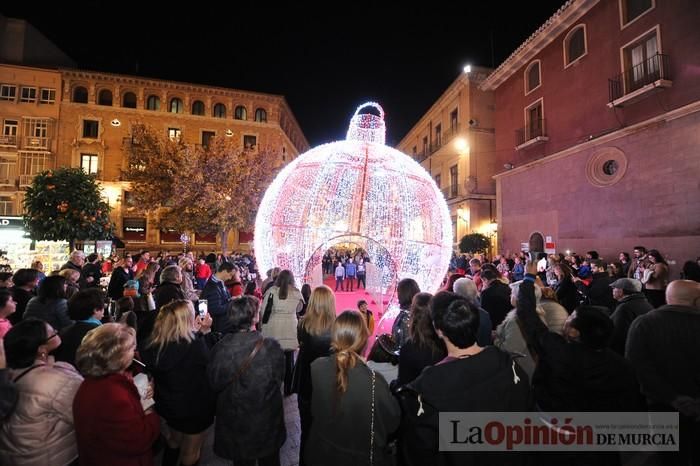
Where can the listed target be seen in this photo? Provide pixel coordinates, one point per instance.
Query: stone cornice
(136, 81)
(559, 22)
(603, 140)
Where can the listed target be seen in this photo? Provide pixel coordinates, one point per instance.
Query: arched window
(80, 95)
(129, 100)
(575, 44)
(532, 76)
(175, 105)
(104, 97)
(219, 111)
(261, 115)
(153, 102)
(197, 107)
(241, 113)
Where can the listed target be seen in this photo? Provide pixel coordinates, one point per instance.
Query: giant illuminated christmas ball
(359, 193)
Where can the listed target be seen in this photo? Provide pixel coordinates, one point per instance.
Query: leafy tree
(474, 243)
(66, 205)
(212, 189)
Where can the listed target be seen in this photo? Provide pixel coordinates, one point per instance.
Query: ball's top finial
(367, 127)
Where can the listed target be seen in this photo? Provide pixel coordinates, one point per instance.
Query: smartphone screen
(202, 307)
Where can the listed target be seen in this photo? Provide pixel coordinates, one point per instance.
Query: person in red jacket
(111, 425)
(202, 272)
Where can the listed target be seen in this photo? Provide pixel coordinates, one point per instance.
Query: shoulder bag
(246, 364)
(268, 310)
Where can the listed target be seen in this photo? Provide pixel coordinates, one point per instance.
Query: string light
(363, 193)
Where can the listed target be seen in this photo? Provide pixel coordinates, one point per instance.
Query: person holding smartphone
(176, 355)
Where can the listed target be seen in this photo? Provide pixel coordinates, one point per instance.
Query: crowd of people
(178, 344)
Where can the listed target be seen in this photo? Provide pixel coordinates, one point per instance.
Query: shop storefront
(20, 251)
(134, 230)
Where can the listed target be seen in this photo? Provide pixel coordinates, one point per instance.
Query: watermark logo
(527, 431)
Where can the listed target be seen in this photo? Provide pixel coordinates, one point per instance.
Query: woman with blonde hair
(314, 336)
(177, 355)
(111, 425)
(353, 409)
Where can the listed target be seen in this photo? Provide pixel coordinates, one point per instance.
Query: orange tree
(66, 204)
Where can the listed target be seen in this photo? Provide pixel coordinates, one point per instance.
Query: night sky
(324, 63)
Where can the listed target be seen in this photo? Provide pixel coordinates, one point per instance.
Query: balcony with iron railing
(532, 134)
(36, 142)
(452, 191)
(638, 81)
(8, 141)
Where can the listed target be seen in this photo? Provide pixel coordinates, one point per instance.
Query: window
(47, 96)
(438, 181)
(453, 121)
(454, 181)
(88, 162)
(415, 150)
(641, 62)
(249, 142)
(176, 105)
(575, 45)
(153, 103)
(534, 123)
(219, 111)
(91, 129)
(197, 107)
(8, 168)
(7, 206)
(633, 9)
(129, 100)
(438, 136)
(532, 77)
(28, 94)
(104, 97)
(425, 145)
(80, 95)
(454, 228)
(9, 133)
(261, 115)
(206, 136)
(8, 92)
(241, 113)
(40, 129)
(174, 133)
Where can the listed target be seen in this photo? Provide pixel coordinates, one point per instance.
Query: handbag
(268, 310)
(384, 350)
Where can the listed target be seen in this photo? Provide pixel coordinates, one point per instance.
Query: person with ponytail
(352, 407)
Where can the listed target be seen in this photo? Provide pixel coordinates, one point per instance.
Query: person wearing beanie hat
(632, 303)
(131, 289)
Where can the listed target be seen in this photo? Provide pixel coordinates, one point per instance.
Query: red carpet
(345, 300)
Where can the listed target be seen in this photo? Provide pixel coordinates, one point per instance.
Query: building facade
(98, 109)
(597, 130)
(454, 141)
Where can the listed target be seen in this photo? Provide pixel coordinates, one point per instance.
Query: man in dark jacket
(495, 297)
(664, 347)
(86, 308)
(217, 295)
(632, 304)
(120, 275)
(91, 273)
(599, 292)
(577, 371)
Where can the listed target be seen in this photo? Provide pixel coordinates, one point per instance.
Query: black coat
(568, 295)
(488, 381)
(413, 359)
(496, 301)
(21, 297)
(53, 311)
(340, 431)
(311, 347)
(249, 412)
(119, 277)
(573, 376)
(599, 291)
(630, 307)
(71, 337)
(182, 393)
